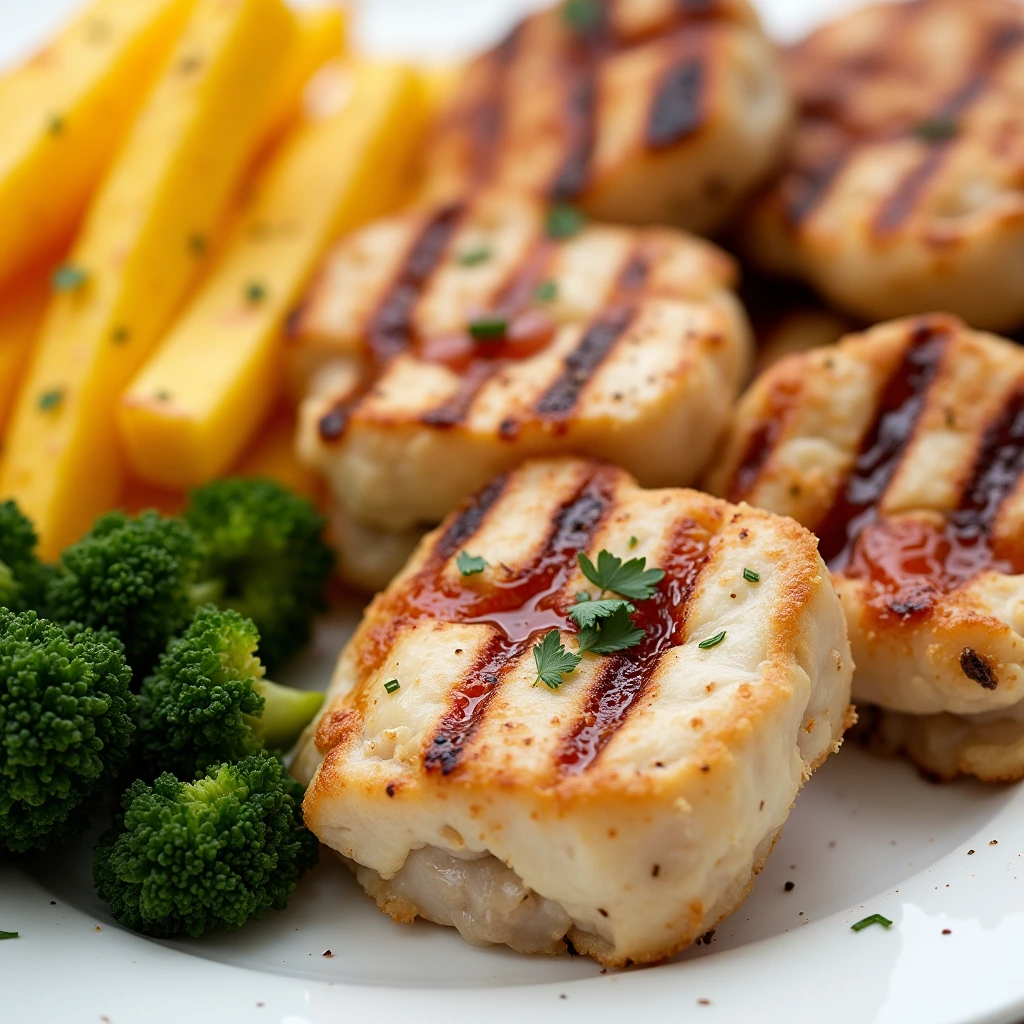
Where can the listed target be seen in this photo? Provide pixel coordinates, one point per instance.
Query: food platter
(944, 863)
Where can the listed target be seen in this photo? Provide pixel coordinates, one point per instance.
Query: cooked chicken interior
(643, 111)
(624, 801)
(903, 449)
(903, 186)
(446, 345)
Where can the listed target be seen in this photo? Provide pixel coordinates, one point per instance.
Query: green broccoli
(263, 546)
(185, 857)
(133, 576)
(65, 727)
(23, 578)
(208, 702)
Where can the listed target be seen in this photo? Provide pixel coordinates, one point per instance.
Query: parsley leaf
(9, 935)
(631, 579)
(564, 221)
(469, 564)
(553, 660)
(615, 633)
(587, 613)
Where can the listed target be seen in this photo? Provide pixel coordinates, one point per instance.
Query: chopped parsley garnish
(391, 685)
(546, 291)
(586, 613)
(119, 335)
(751, 577)
(630, 579)
(197, 244)
(582, 16)
(564, 221)
(615, 632)
(633, 542)
(51, 399)
(873, 919)
(255, 293)
(9, 935)
(55, 125)
(163, 395)
(469, 564)
(712, 641)
(68, 278)
(937, 129)
(553, 661)
(471, 257)
(488, 328)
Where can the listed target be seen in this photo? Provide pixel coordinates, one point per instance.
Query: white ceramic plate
(946, 864)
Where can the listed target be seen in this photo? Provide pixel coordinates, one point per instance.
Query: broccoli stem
(286, 712)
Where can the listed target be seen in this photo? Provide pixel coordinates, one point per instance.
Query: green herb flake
(469, 564)
(9, 935)
(255, 293)
(55, 125)
(392, 685)
(751, 577)
(631, 579)
(119, 335)
(582, 16)
(564, 221)
(633, 542)
(553, 661)
(68, 278)
(587, 613)
(546, 291)
(616, 632)
(471, 257)
(197, 244)
(937, 129)
(712, 641)
(163, 395)
(868, 921)
(488, 328)
(51, 399)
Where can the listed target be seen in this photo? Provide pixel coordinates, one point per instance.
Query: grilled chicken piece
(627, 810)
(642, 111)
(621, 343)
(902, 190)
(903, 449)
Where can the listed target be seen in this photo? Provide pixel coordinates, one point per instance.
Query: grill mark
(626, 675)
(911, 562)
(678, 107)
(762, 440)
(466, 522)
(390, 330)
(573, 175)
(455, 410)
(883, 446)
(635, 273)
(896, 210)
(517, 612)
(813, 187)
(597, 341)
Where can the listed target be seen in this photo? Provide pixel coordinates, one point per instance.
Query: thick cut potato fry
(139, 251)
(22, 305)
(63, 113)
(321, 38)
(191, 410)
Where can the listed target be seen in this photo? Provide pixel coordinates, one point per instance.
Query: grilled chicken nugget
(902, 187)
(444, 346)
(625, 808)
(903, 449)
(643, 111)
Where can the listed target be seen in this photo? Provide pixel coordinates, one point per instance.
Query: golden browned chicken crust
(903, 187)
(644, 111)
(903, 449)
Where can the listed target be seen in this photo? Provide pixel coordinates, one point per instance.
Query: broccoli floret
(133, 576)
(65, 727)
(264, 549)
(208, 702)
(185, 857)
(23, 578)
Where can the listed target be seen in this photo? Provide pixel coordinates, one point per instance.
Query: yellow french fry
(321, 38)
(22, 305)
(192, 409)
(63, 113)
(139, 251)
